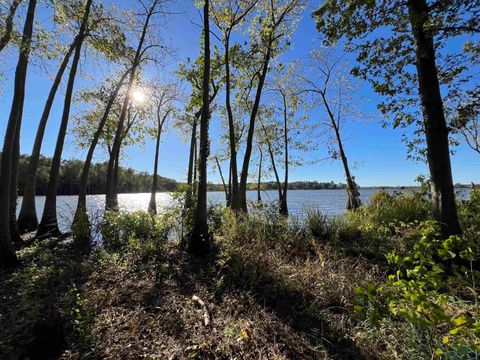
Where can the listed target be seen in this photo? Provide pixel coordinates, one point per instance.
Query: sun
(138, 96)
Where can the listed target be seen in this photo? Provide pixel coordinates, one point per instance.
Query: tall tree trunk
(80, 212)
(274, 166)
(111, 200)
(8, 257)
(444, 208)
(191, 163)
(27, 219)
(353, 201)
(7, 32)
(49, 223)
(235, 198)
(200, 238)
(251, 130)
(195, 165)
(259, 195)
(229, 184)
(152, 205)
(225, 188)
(15, 233)
(283, 209)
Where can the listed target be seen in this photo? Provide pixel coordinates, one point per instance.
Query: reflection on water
(329, 202)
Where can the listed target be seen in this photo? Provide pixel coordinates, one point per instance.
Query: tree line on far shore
(130, 180)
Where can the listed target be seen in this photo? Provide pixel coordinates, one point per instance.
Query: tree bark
(7, 33)
(8, 257)
(199, 243)
(27, 219)
(444, 208)
(49, 224)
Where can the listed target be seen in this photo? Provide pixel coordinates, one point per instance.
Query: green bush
(432, 287)
(386, 209)
(119, 228)
(317, 223)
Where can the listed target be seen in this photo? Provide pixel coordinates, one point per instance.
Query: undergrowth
(378, 283)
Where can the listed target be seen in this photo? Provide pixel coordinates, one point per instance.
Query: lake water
(329, 202)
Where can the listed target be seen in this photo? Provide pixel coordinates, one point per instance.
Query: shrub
(118, 228)
(317, 223)
(386, 209)
(429, 288)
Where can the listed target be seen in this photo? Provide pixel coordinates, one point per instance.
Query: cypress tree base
(48, 230)
(27, 222)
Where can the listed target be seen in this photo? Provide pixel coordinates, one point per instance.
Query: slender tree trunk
(235, 199)
(225, 189)
(283, 202)
(195, 165)
(7, 32)
(200, 238)
(353, 201)
(251, 130)
(444, 208)
(111, 200)
(191, 163)
(8, 257)
(49, 224)
(116, 168)
(259, 195)
(15, 234)
(274, 166)
(352, 190)
(80, 212)
(27, 219)
(229, 184)
(152, 205)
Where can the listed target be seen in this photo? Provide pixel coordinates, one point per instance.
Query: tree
(268, 31)
(163, 98)
(193, 73)
(49, 224)
(227, 15)
(8, 257)
(8, 26)
(80, 212)
(27, 219)
(199, 238)
(414, 31)
(94, 35)
(328, 81)
(111, 198)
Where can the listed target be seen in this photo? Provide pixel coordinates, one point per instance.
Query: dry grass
(272, 292)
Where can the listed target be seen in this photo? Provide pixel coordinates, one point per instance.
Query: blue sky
(378, 153)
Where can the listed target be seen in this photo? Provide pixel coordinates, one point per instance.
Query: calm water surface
(329, 202)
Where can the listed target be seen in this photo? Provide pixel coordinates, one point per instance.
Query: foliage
(430, 287)
(380, 35)
(119, 228)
